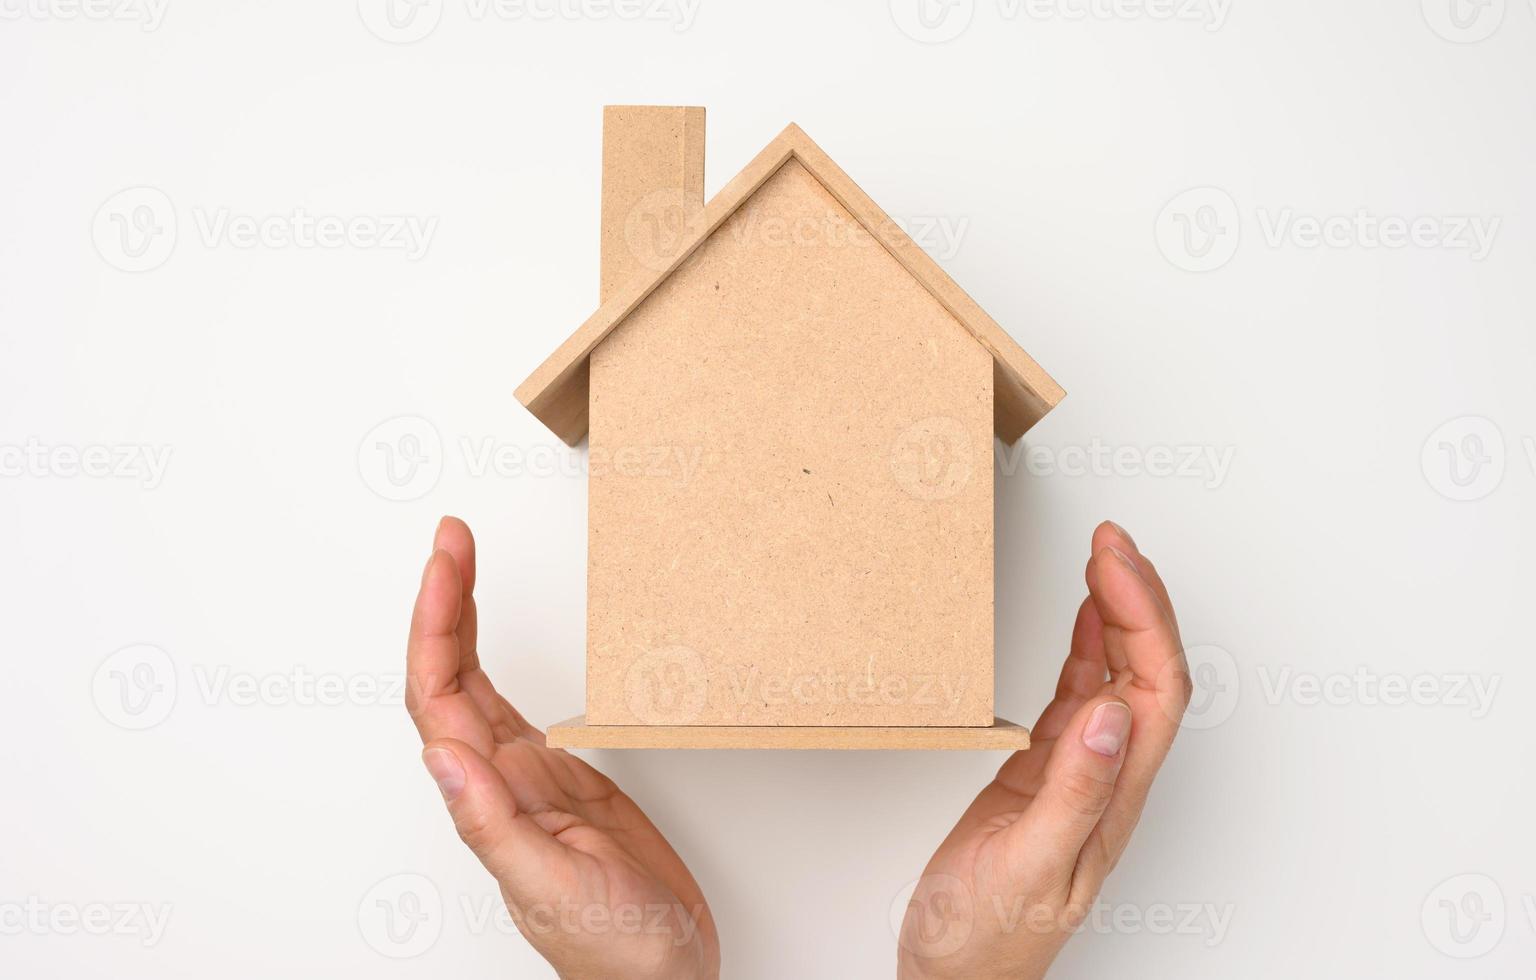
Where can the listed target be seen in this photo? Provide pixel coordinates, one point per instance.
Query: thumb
(1078, 782)
(511, 846)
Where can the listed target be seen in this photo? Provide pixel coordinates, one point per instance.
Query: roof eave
(557, 391)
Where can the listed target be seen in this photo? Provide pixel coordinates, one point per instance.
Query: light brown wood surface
(1024, 391)
(790, 493)
(575, 733)
(653, 187)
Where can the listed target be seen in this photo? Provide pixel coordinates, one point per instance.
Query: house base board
(575, 733)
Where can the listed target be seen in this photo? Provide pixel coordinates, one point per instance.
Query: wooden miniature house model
(790, 411)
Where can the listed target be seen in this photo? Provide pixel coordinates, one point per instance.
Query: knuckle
(1074, 914)
(1186, 683)
(1084, 793)
(1094, 864)
(475, 829)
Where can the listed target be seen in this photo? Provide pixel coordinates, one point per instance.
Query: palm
(593, 848)
(1024, 847)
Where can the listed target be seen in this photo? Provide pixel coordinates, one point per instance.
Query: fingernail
(447, 772)
(1123, 533)
(1125, 558)
(428, 566)
(1107, 728)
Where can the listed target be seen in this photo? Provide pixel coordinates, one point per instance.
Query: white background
(1308, 809)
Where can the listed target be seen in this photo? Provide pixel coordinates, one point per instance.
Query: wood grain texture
(575, 733)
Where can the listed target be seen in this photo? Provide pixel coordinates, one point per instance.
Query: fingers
(433, 694)
(464, 703)
(1109, 534)
(1140, 636)
(432, 653)
(512, 847)
(1078, 783)
(1082, 675)
(454, 537)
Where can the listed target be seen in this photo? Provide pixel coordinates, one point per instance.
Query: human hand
(589, 881)
(1021, 870)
